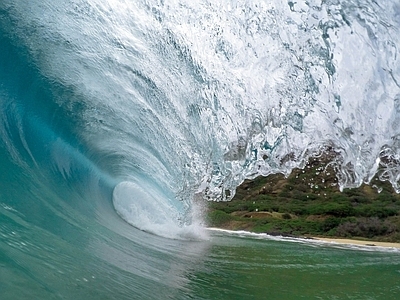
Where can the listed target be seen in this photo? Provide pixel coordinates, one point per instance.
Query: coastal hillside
(309, 203)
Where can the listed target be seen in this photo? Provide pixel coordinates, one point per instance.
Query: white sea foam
(147, 209)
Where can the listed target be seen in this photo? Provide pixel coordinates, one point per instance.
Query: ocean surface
(120, 119)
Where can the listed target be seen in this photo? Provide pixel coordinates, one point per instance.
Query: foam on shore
(318, 241)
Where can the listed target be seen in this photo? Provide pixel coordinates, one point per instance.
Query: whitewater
(120, 119)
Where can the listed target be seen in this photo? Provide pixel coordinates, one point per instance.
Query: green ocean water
(227, 266)
(266, 269)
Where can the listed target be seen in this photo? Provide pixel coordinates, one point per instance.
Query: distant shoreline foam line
(358, 242)
(337, 242)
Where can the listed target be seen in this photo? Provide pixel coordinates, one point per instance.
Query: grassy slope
(309, 203)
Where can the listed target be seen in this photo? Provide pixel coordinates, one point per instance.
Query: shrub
(365, 227)
(329, 223)
(340, 198)
(285, 194)
(332, 208)
(339, 210)
(373, 211)
(385, 197)
(218, 217)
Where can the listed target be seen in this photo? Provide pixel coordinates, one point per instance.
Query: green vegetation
(309, 203)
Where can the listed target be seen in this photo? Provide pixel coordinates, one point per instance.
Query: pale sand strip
(322, 239)
(358, 242)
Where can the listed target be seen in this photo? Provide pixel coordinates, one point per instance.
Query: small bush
(340, 198)
(332, 208)
(329, 223)
(373, 211)
(365, 227)
(285, 194)
(218, 217)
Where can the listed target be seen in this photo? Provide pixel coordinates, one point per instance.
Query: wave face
(137, 109)
(201, 96)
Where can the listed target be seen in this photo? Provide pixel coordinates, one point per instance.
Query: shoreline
(326, 240)
(357, 242)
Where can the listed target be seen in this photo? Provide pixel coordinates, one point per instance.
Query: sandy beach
(323, 239)
(358, 242)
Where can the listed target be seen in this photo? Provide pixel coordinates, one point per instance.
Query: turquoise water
(224, 267)
(120, 119)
